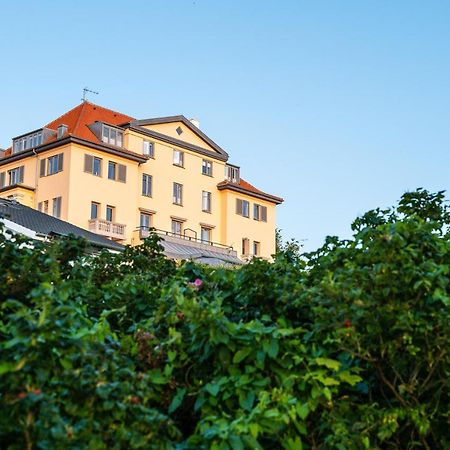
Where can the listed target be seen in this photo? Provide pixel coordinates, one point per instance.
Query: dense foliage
(346, 347)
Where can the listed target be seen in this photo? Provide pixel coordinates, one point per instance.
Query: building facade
(118, 176)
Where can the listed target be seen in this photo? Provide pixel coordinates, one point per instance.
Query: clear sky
(337, 106)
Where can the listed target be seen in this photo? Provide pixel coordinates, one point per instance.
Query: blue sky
(337, 106)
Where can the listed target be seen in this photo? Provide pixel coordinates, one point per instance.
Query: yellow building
(117, 176)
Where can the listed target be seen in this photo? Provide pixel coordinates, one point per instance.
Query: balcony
(108, 229)
(190, 247)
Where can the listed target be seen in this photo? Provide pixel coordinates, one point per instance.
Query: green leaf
(212, 388)
(177, 400)
(329, 363)
(241, 355)
(302, 410)
(349, 378)
(236, 442)
(293, 444)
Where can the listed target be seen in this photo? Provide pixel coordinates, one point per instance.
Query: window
(205, 235)
(112, 136)
(117, 172)
(94, 210)
(245, 246)
(206, 201)
(51, 165)
(93, 165)
(177, 194)
(145, 221)
(242, 207)
(26, 142)
(232, 174)
(147, 185)
(2, 179)
(45, 208)
(112, 170)
(110, 213)
(207, 167)
(177, 227)
(178, 158)
(149, 149)
(16, 175)
(40, 204)
(260, 212)
(57, 207)
(256, 248)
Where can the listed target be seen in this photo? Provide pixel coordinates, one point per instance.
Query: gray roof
(48, 225)
(202, 253)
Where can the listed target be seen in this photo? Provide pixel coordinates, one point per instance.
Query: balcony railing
(190, 241)
(107, 228)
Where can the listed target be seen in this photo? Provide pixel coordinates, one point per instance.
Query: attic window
(179, 130)
(31, 140)
(112, 136)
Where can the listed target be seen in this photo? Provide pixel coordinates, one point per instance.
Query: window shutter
(20, 176)
(122, 173)
(60, 162)
(256, 212)
(239, 206)
(42, 169)
(88, 163)
(264, 213)
(2, 179)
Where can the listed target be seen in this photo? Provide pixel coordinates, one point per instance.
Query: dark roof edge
(185, 121)
(76, 140)
(222, 156)
(17, 185)
(262, 195)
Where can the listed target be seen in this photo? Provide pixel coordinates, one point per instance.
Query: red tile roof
(247, 188)
(78, 119)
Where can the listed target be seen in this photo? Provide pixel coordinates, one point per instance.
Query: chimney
(195, 122)
(62, 130)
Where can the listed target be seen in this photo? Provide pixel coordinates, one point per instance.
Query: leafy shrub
(346, 347)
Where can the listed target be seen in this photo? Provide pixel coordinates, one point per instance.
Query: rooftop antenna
(85, 91)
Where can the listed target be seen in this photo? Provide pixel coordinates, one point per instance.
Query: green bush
(346, 347)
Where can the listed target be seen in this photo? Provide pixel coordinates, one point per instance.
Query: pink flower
(198, 283)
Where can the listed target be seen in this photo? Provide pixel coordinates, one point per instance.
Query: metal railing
(145, 232)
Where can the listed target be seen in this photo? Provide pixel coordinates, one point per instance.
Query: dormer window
(28, 141)
(112, 136)
(232, 173)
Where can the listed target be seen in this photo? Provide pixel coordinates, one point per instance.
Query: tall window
(148, 149)
(177, 227)
(112, 166)
(205, 235)
(242, 207)
(117, 172)
(110, 213)
(2, 179)
(93, 165)
(256, 248)
(94, 210)
(51, 165)
(177, 194)
(178, 158)
(145, 221)
(16, 175)
(232, 174)
(57, 207)
(260, 212)
(147, 185)
(207, 167)
(206, 201)
(112, 136)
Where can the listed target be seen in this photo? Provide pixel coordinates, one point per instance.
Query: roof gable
(182, 129)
